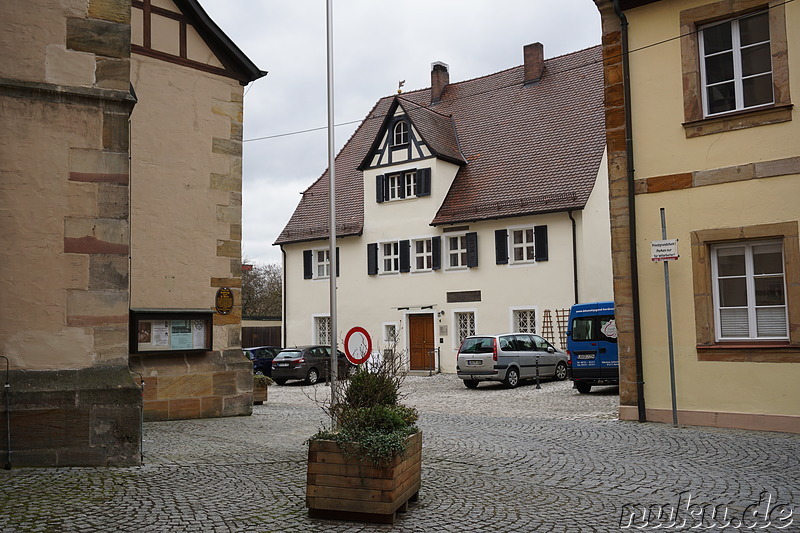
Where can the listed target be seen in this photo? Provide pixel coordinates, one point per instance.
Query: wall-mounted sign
(155, 330)
(224, 301)
(666, 250)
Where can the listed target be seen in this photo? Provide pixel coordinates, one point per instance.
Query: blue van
(592, 345)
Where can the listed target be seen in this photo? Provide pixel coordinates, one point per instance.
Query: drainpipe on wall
(285, 300)
(637, 331)
(574, 257)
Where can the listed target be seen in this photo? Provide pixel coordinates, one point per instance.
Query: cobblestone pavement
(494, 460)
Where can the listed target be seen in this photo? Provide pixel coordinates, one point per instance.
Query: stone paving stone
(494, 460)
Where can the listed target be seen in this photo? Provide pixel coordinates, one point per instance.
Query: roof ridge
(496, 73)
(425, 107)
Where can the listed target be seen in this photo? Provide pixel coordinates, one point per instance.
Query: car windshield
(288, 354)
(478, 345)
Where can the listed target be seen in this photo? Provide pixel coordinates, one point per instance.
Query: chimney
(534, 62)
(440, 77)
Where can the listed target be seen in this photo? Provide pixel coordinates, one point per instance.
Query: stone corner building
(120, 213)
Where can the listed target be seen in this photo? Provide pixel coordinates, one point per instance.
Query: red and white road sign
(357, 345)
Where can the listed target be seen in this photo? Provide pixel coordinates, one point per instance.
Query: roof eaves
(233, 57)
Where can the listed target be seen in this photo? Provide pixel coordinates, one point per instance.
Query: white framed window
(423, 254)
(410, 183)
(395, 185)
(749, 290)
(390, 332)
(457, 251)
(390, 257)
(322, 330)
(322, 263)
(464, 325)
(522, 245)
(400, 133)
(523, 320)
(736, 64)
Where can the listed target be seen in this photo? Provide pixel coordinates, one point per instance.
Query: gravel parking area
(494, 459)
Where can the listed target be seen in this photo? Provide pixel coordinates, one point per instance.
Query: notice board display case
(170, 330)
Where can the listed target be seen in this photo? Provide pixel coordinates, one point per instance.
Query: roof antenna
(400, 86)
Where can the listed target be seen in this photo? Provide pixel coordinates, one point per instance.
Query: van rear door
(607, 353)
(583, 347)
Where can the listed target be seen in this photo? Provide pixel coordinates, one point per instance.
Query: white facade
(375, 301)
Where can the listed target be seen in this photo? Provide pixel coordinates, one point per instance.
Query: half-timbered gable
(181, 32)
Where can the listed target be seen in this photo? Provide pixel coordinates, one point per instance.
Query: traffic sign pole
(669, 323)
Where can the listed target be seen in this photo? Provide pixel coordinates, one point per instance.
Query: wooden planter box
(259, 391)
(347, 488)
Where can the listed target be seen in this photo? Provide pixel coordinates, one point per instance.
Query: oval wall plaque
(224, 301)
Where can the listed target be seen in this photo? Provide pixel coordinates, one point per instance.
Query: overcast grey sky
(377, 43)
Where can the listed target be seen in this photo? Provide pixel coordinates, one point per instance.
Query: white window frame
(325, 263)
(400, 133)
(316, 321)
(426, 255)
(410, 183)
(750, 278)
(386, 339)
(514, 323)
(738, 78)
(393, 257)
(457, 333)
(460, 253)
(512, 247)
(395, 185)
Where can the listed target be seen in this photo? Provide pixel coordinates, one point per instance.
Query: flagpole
(334, 373)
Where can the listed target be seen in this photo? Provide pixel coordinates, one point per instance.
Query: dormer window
(400, 133)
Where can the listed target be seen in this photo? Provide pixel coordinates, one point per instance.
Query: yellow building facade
(706, 131)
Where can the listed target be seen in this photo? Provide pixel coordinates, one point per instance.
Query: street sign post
(666, 250)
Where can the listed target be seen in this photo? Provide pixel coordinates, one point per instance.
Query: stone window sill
(738, 120)
(755, 352)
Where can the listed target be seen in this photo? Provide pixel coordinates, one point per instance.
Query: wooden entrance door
(422, 342)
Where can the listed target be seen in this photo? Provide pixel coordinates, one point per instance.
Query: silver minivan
(508, 358)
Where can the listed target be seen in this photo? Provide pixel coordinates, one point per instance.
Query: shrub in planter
(368, 466)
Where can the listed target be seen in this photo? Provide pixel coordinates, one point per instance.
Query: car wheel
(471, 383)
(582, 387)
(512, 378)
(312, 377)
(280, 381)
(259, 372)
(561, 372)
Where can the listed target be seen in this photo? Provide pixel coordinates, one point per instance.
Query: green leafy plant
(369, 420)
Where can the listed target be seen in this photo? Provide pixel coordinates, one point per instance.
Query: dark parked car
(307, 363)
(262, 356)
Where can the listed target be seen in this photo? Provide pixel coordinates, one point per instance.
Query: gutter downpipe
(284, 303)
(637, 332)
(574, 257)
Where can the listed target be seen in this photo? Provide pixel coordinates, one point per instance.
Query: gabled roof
(530, 149)
(437, 130)
(237, 64)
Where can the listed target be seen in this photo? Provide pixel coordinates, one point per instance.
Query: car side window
(524, 343)
(541, 344)
(506, 344)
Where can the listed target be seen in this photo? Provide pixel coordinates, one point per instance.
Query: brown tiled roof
(437, 130)
(529, 149)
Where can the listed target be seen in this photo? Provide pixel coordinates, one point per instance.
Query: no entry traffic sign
(357, 345)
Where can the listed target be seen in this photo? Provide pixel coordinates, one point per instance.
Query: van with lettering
(592, 345)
